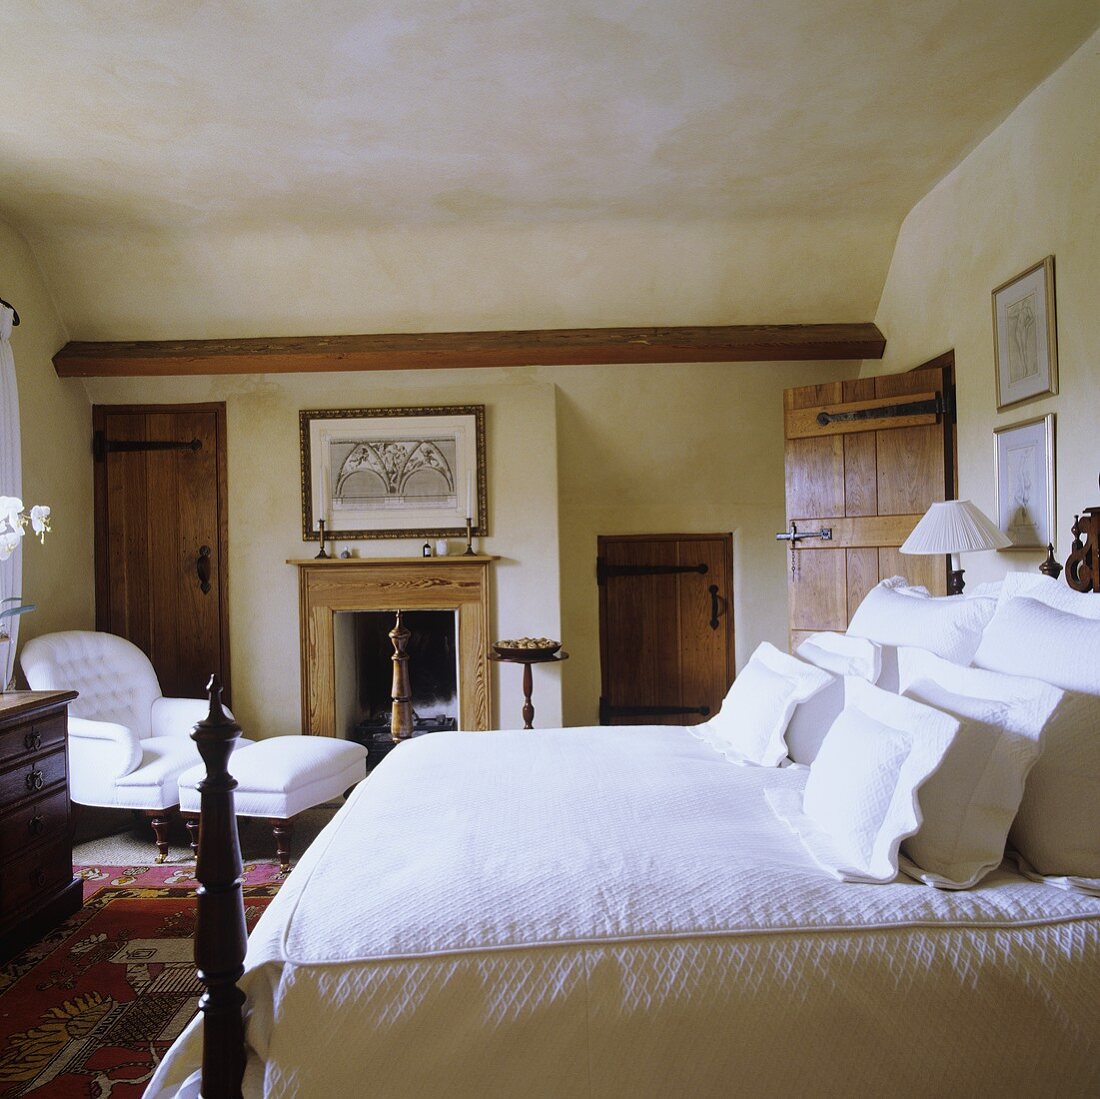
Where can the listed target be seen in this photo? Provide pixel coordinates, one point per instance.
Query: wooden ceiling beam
(439, 350)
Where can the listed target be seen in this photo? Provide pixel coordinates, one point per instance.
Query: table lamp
(954, 527)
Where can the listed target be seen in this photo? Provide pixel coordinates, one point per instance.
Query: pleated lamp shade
(954, 526)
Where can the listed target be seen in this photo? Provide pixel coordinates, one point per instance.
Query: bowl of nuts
(527, 648)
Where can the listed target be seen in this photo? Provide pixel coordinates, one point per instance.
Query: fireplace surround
(327, 587)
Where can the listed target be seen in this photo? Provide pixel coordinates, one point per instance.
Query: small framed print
(393, 472)
(1023, 458)
(1025, 342)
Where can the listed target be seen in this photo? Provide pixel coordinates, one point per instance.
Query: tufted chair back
(114, 677)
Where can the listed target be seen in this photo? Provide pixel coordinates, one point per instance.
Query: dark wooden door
(160, 538)
(666, 627)
(866, 477)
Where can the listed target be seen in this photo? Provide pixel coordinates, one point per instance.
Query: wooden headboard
(1083, 563)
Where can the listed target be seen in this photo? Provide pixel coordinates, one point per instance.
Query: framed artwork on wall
(1025, 340)
(1023, 460)
(393, 472)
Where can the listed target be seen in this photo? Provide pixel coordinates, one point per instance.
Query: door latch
(795, 535)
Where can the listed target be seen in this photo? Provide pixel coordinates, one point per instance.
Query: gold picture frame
(410, 472)
(1025, 336)
(1023, 465)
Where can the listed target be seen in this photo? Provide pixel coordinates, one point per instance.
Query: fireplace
(347, 607)
(364, 673)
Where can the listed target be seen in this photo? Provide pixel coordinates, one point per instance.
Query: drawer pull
(36, 825)
(35, 780)
(38, 877)
(32, 741)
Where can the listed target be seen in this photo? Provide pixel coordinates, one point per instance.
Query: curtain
(11, 470)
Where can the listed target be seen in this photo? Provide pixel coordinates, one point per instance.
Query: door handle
(713, 589)
(795, 535)
(202, 568)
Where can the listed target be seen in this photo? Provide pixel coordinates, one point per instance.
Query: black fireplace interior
(433, 672)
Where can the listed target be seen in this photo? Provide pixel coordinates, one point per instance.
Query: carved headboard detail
(1083, 563)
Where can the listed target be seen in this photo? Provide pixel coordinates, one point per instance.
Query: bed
(612, 912)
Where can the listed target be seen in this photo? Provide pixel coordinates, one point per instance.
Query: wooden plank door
(866, 477)
(666, 627)
(160, 538)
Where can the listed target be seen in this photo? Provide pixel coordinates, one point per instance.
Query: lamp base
(955, 581)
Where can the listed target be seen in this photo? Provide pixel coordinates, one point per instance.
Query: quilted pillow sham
(750, 726)
(860, 800)
(968, 805)
(1030, 637)
(949, 626)
(1057, 830)
(1054, 593)
(843, 656)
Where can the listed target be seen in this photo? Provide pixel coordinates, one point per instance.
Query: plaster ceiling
(164, 120)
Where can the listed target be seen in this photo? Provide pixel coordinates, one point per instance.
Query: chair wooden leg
(159, 819)
(284, 833)
(192, 822)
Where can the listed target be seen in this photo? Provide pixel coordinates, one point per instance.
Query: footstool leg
(158, 818)
(192, 822)
(284, 833)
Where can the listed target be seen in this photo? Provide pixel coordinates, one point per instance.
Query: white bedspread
(616, 912)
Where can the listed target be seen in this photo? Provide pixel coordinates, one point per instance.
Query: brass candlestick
(321, 528)
(469, 538)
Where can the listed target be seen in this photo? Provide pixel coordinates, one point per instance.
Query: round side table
(527, 659)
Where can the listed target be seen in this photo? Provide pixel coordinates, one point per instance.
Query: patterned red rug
(88, 1011)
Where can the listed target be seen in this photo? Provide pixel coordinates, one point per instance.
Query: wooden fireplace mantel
(328, 586)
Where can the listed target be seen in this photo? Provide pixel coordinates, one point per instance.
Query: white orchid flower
(40, 521)
(12, 517)
(9, 543)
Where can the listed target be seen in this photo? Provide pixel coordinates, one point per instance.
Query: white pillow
(1029, 637)
(1057, 830)
(812, 720)
(948, 626)
(860, 800)
(969, 804)
(843, 656)
(750, 725)
(1054, 593)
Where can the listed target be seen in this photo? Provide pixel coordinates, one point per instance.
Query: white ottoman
(279, 778)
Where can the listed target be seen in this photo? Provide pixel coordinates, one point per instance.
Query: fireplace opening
(364, 674)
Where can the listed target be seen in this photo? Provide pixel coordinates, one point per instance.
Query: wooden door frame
(731, 633)
(99, 473)
(951, 421)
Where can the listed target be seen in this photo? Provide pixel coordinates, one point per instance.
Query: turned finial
(1050, 567)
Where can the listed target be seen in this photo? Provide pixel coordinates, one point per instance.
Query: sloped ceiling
(187, 169)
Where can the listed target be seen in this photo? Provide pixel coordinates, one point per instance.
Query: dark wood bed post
(220, 934)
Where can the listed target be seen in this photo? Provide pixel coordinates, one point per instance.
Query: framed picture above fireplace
(393, 472)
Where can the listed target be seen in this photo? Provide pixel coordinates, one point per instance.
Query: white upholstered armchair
(128, 744)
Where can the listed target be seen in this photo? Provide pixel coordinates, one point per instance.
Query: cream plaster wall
(273, 280)
(265, 515)
(1031, 189)
(228, 169)
(693, 449)
(56, 433)
(573, 452)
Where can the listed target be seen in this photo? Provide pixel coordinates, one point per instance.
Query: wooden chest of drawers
(37, 887)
